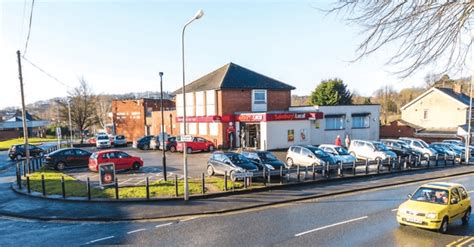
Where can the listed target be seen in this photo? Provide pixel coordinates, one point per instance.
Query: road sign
(243, 174)
(186, 138)
(106, 174)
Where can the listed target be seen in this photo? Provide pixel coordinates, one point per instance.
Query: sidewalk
(15, 205)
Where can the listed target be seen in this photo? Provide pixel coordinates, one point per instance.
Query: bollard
(33, 164)
(43, 185)
(340, 170)
(445, 160)
(203, 184)
(366, 166)
(147, 188)
(225, 181)
(281, 174)
(323, 171)
(314, 172)
(305, 172)
(298, 173)
(264, 177)
(288, 175)
(24, 168)
(420, 157)
(400, 162)
(250, 182)
(390, 164)
(28, 184)
(63, 187)
(116, 189)
(378, 166)
(245, 182)
(437, 157)
(269, 174)
(176, 185)
(428, 161)
(18, 176)
(354, 167)
(88, 188)
(29, 166)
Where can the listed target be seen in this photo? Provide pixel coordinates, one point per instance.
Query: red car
(122, 160)
(198, 144)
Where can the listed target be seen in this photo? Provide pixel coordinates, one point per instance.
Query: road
(358, 219)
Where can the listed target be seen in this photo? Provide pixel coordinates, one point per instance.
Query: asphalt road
(359, 219)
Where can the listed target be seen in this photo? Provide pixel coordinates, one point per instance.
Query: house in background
(439, 112)
(12, 127)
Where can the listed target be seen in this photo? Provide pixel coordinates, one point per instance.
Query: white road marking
(100, 239)
(139, 182)
(332, 225)
(138, 230)
(166, 224)
(125, 181)
(395, 209)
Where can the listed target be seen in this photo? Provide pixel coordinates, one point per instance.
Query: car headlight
(431, 215)
(269, 167)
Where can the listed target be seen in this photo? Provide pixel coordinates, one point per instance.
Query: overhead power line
(46, 73)
(29, 27)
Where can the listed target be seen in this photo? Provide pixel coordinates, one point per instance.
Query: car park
(435, 205)
(17, 152)
(103, 141)
(197, 144)
(340, 154)
(67, 158)
(264, 159)
(400, 148)
(370, 150)
(120, 141)
(229, 163)
(419, 146)
(122, 160)
(143, 143)
(307, 155)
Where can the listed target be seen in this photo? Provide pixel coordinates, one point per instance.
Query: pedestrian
(231, 135)
(347, 141)
(338, 141)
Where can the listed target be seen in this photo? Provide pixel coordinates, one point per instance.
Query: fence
(265, 177)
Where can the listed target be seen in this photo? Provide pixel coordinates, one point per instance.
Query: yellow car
(435, 205)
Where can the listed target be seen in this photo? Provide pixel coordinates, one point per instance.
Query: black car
(400, 148)
(143, 143)
(67, 158)
(230, 162)
(264, 159)
(18, 151)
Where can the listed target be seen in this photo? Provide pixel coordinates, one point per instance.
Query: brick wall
(241, 101)
(10, 134)
(395, 130)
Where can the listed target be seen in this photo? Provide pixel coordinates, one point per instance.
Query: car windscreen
(341, 151)
(237, 158)
(102, 138)
(424, 144)
(120, 137)
(379, 146)
(432, 195)
(267, 156)
(318, 152)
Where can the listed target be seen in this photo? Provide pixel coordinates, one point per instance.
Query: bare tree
(103, 108)
(426, 31)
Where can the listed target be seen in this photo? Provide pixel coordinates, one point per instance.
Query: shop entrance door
(252, 133)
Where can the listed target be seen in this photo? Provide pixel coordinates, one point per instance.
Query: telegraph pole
(162, 134)
(23, 113)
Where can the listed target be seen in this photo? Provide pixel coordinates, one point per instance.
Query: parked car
(419, 146)
(307, 155)
(122, 160)
(120, 141)
(171, 144)
(230, 162)
(340, 154)
(400, 148)
(67, 158)
(143, 143)
(264, 159)
(449, 149)
(155, 143)
(103, 141)
(460, 144)
(370, 150)
(435, 205)
(198, 144)
(92, 140)
(18, 151)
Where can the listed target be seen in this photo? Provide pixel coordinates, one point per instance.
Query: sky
(121, 46)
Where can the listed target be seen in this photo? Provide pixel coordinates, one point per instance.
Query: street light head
(161, 73)
(199, 14)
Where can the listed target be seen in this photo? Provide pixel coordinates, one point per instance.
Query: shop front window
(360, 121)
(335, 122)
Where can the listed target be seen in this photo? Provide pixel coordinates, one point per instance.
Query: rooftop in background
(233, 76)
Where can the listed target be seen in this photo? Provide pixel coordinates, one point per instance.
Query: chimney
(457, 88)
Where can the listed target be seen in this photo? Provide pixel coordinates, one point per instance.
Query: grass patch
(75, 188)
(8, 143)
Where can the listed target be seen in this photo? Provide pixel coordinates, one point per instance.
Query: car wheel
(444, 226)
(289, 163)
(232, 176)
(189, 150)
(136, 166)
(210, 170)
(60, 166)
(173, 149)
(211, 148)
(467, 216)
(18, 157)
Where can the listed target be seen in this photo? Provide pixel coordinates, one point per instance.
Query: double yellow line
(464, 241)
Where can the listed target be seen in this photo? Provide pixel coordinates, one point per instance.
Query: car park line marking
(139, 182)
(162, 225)
(456, 241)
(395, 209)
(332, 225)
(138, 230)
(100, 239)
(462, 241)
(125, 181)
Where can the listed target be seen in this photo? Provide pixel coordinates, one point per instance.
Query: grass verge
(8, 143)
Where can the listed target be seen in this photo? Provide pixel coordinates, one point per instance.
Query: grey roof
(233, 76)
(457, 96)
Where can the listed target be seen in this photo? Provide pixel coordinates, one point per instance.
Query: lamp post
(468, 137)
(70, 122)
(162, 134)
(198, 15)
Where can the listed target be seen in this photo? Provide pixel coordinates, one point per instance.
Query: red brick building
(133, 118)
(399, 128)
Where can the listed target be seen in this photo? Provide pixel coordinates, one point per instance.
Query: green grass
(8, 143)
(77, 188)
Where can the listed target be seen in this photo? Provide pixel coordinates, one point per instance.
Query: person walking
(338, 141)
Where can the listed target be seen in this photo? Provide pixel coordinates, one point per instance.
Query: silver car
(370, 150)
(419, 146)
(307, 155)
(340, 154)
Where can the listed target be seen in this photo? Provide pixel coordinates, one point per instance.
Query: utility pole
(468, 138)
(23, 113)
(163, 127)
(70, 122)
